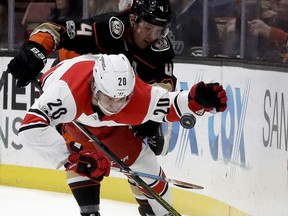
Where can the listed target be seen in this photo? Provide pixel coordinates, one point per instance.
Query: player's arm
(166, 80)
(159, 65)
(165, 67)
(202, 97)
(45, 39)
(37, 132)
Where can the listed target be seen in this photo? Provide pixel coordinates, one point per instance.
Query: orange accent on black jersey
(45, 40)
(66, 54)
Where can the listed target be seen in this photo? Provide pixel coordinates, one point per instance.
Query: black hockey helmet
(156, 12)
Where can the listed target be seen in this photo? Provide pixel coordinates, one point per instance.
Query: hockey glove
(156, 140)
(88, 163)
(146, 129)
(206, 97)
(153, 131)
(27, 64)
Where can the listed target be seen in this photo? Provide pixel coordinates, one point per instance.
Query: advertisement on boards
(240, 156)
(14, 104)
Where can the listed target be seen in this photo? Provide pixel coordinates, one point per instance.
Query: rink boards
(240, 156)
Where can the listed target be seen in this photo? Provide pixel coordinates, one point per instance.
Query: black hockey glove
(156, 141)
(90, 163)
(28, 63)
(206, 97)
(146, 129)
(153, 131)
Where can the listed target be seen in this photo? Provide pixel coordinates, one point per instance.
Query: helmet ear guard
(137, 19)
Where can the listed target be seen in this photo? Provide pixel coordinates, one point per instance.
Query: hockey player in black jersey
(138, 32)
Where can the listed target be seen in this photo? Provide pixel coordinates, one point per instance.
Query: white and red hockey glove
(90, 163)
(205, 97)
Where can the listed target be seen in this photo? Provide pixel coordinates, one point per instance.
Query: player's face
(145, 33)
(110, 105)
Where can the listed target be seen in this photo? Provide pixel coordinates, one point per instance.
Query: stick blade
(186, 185)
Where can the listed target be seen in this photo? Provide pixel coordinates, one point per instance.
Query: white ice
(28, 202)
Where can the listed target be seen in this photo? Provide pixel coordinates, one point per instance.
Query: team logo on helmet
(71, 29)
(161, 44)
(156, 12)
(152, 5)
(116, 27)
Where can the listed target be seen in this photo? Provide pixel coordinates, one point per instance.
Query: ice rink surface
(28, 202)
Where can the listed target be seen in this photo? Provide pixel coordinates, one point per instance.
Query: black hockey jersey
(107, 33)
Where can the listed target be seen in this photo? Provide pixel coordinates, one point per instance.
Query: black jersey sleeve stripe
(28, 127)
(176, 106)
(44, 80)
(38, 112)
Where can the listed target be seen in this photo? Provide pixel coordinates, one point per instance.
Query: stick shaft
(115, 159)
(122, 166)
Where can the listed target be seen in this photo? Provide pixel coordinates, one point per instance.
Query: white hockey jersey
(67, 97)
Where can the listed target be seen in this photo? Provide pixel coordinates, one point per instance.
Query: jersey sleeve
(37, 132)
(48, 143)
(94, 35)
(167, 106)
(71, 35)
(156, 104)
(155, 63)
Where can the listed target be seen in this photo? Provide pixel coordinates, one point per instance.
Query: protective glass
(153, 30)
(111, 105)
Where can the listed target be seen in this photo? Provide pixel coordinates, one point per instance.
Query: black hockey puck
(188, 121)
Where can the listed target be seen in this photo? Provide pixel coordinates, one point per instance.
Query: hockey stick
(123, 167)
(118, 162)
(177, 183)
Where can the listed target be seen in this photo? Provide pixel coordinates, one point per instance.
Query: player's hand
(89, 163)
(153, 132)
(146, 129)
(28, 63)
(206, 97)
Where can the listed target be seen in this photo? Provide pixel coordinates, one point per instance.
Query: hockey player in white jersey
(103, 90)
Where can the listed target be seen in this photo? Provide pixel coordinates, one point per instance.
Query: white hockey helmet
(114, 81)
